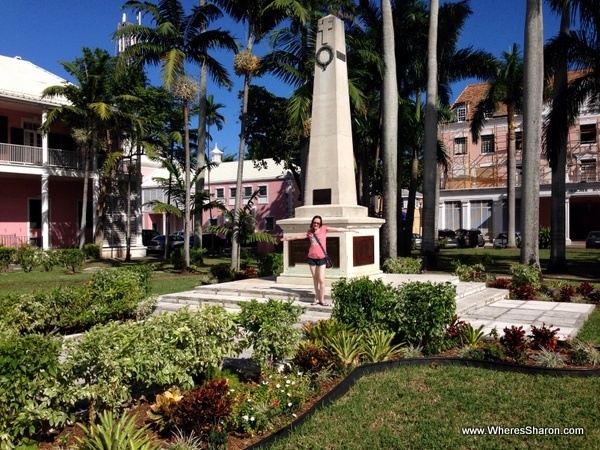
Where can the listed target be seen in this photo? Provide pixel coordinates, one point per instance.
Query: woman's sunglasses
(316, 223)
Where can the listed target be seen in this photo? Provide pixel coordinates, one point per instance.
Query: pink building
(473, 193)
(41, 176)
(278, 194)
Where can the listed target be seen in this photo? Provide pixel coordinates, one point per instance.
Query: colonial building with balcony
(41, 175)
(473, 191)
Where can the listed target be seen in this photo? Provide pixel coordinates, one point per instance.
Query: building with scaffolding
(473, 190)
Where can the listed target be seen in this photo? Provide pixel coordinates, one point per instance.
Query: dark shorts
(317, 262)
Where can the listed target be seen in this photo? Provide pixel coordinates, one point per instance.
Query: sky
(46, 32)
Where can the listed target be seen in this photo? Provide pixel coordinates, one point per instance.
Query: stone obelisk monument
(330, 177)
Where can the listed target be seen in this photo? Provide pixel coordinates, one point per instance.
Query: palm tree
(240, 225)
(576, 49)
(91, 114)
(431, 178)
(178, 38)
(389, 131)
(506, 88)
(533, 75)
(260, 20)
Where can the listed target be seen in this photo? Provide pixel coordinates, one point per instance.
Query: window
(31, 136)
(519, 141)
(453, 215)
(487, 143)
(461, 113)
(262, 194)
(232, 192)
(220, 193)
(269, 223)
(587, 133)
(487, 114)
(588, 170)
(247, 191)
(214, 222)
(35, 213)
(460, 146)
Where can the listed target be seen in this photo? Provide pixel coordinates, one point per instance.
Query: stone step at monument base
(470, 296)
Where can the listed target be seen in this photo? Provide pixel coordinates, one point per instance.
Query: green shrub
(71, 258)
(362, 303)
(270, 264)
(222, 271)
(7, 257)
(402, 265)
(464, 272)
(523, 274)
(48, 259)
(544, 237)
(26, 258)
(269, 329)
(91, 251)
(115, 293)
(426, 310)
(197, 256)
(111, 361)
(33, 397)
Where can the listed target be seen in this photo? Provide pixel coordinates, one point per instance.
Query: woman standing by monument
(317, 253)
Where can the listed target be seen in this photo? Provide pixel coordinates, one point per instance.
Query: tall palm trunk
(187, 215)
(389, 131)
(430, 148)
(558, 156)
(235, 245)
(511, 176)
(532, 115)
(201, 151)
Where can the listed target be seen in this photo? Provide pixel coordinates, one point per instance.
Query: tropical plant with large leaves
(240, 225)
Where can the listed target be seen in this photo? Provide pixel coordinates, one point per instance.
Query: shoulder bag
(328, 262)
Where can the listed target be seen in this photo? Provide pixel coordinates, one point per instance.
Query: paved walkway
(476, 303)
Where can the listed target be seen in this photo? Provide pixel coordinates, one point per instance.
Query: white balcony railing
(33, 156)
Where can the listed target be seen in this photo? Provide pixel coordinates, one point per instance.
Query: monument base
(353, 254)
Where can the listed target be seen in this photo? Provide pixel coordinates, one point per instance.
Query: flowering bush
(276, 394)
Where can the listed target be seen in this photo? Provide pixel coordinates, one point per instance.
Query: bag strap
(319, 242)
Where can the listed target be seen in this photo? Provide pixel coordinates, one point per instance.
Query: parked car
(593, 240)
(469, 238)
(417, 239)
(501, 240)
(447, 238)
(147, 236)
(157, 244)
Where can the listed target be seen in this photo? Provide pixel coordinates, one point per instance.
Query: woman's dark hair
(317, 217)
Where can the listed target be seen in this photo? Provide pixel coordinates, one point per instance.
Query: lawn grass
(164, 279)
(582, 264)
(420, 407)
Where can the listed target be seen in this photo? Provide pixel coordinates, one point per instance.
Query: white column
(567, 221)
(466, 215)
(45, 212)
(442, 217)
(45, 158)
(138, 199)
(95, 197)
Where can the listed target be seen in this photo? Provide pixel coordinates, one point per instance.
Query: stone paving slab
(476, 304)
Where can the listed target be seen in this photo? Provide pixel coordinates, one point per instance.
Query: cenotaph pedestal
(330, 190)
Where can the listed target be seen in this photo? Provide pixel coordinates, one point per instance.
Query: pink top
(315, 251)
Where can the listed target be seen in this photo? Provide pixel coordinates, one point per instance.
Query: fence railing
(14, 241)
(33, 156)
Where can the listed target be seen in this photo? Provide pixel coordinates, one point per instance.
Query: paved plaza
(476, 303)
